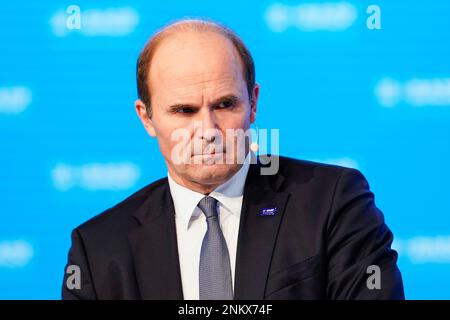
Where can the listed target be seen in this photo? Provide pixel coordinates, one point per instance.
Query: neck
(203, 187)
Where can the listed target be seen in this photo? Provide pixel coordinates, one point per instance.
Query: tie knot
(209, 206)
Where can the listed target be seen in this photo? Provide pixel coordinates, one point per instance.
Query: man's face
(197, 86)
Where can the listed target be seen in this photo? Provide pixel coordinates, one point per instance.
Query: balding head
(185, 29)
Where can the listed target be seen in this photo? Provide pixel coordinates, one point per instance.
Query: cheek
(238, 120)
(164, 134)
(173, 139)
(242, 122)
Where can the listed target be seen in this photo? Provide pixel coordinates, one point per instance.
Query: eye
(185, 110)
(225, 104)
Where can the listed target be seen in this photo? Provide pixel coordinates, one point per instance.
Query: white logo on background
(95, 176)
(415, 92)
(110, 22)
(15, 254)
(15, 99)
(327, 16)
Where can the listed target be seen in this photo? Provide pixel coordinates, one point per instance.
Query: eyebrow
(228, 97)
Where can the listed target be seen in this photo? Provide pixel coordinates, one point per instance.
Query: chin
(213, 173)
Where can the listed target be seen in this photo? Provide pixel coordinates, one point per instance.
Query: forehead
(192, 64)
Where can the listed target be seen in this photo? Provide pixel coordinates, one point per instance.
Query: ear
(146, 121)
(254, 103)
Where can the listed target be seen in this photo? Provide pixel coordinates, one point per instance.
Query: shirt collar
(229, 194)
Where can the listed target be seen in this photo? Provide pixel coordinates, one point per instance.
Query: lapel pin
(268, 211)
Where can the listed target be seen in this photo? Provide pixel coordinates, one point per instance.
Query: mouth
(214, 153)
(206, 155)
(208, 158)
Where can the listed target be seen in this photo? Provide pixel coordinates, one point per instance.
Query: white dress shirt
(191, 225)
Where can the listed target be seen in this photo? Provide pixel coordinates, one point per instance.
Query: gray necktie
(214, 272)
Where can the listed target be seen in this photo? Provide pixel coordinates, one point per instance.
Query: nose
(208, 130)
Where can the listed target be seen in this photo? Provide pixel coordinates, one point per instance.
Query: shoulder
(297, 170)
(120, 216)
(316, 177)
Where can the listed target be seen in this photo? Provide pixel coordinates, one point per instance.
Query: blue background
(71, 144)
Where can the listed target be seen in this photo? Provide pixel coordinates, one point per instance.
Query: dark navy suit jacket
(325, 234)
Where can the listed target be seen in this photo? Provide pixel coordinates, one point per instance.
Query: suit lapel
(154, 248)
(257, 234)
(154, 242)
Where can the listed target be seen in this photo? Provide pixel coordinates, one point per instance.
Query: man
(216, 229)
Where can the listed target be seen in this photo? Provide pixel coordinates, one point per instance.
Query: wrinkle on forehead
(195, 88)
